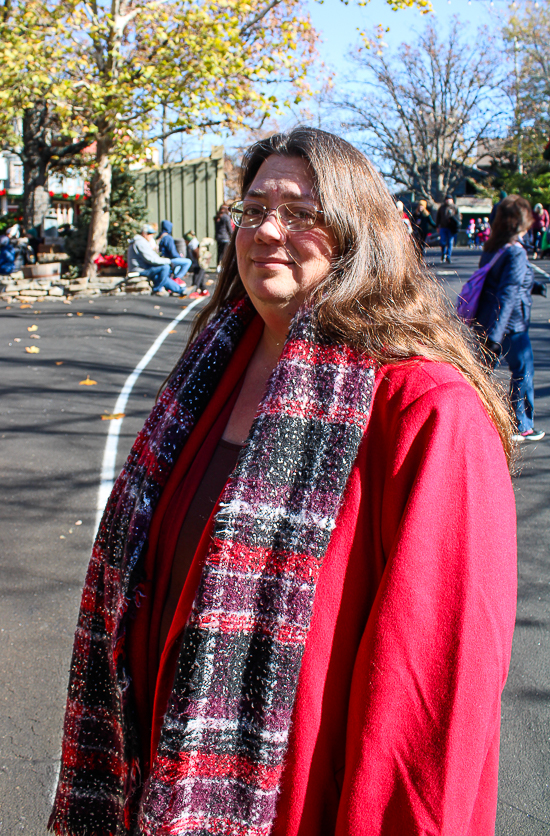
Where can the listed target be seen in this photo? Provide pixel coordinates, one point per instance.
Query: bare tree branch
(426, 113)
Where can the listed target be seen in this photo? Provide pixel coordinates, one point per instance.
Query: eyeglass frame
(275, 212)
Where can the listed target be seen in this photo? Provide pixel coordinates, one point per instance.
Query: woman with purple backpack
(504, 308)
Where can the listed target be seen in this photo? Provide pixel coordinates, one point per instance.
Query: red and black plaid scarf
(219, 762)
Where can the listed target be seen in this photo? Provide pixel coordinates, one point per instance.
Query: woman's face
(277, 266)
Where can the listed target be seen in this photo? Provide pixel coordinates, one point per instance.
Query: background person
(541, 221)
(144, 259)
(199, 275)
(448, 223)
(223, 230)
(404, 215)
(422, 223)
(7, 255)
(471, 233)
(167, 248)
(290, 623)
(504, 310)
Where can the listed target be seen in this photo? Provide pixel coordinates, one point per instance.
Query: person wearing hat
(145, 260)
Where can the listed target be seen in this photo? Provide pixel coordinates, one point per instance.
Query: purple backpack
(468, 298)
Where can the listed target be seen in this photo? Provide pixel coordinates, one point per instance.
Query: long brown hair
(513, 216)
(378, 296)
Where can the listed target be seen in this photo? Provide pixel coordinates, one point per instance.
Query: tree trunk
(36, 158)
(101, 202)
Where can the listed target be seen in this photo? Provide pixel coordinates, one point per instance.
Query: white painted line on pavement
(107, 477)
(537, 269)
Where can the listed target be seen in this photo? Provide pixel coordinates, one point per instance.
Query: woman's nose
(270, 228)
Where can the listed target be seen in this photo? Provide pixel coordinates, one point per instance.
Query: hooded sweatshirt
(142, 256)
(167, 246)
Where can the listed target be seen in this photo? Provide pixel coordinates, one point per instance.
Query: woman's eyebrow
(261, 193)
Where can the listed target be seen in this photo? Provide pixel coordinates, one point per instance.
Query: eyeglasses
(294, 216)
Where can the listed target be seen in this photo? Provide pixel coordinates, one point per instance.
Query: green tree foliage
(41, 118)
(527, 36)
(128, 214)
(535, 185)
(105, 69)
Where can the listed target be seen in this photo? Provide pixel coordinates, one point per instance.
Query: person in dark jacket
(422, 224)
(223, 230)
(167, 248)
(504, 310)
(448, 220)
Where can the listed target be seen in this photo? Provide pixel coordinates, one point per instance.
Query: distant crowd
(443, 231)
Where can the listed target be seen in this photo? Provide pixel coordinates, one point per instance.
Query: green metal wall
(188, 194)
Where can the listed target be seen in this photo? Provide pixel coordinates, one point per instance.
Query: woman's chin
(274, 289)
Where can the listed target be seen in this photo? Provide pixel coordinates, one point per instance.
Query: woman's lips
(271, 262)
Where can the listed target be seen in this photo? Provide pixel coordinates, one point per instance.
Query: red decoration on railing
(111, 261)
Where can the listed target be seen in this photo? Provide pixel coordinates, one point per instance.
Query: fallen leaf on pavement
(156, 307)
(25, 306)
(32, 349)
(173, 331)
(88, 382)
(113, 416)
(109, 330)
(32, 328)
(62, 537)
(59, 362)
(161, 313)
(97, 317)
(35, 336)
(79, 313)
(69, 314)
(17, 339)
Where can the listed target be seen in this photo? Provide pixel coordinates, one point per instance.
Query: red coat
(396, 723)
(397, 719)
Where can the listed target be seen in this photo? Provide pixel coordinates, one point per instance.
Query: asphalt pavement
(53, 430)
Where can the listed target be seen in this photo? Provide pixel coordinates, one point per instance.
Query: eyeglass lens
(294, 216)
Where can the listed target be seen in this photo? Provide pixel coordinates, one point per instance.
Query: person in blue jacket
(504, 310)
(167, 248)
(7, 255)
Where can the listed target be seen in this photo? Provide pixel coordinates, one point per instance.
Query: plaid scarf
(219, 762)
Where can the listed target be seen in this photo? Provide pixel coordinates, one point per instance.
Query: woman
(504, 310)
(422, 224)
(324, 650)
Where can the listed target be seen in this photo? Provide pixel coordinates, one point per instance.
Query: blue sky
(338, 23)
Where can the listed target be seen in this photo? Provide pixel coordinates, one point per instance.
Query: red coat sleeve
(424, 714)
